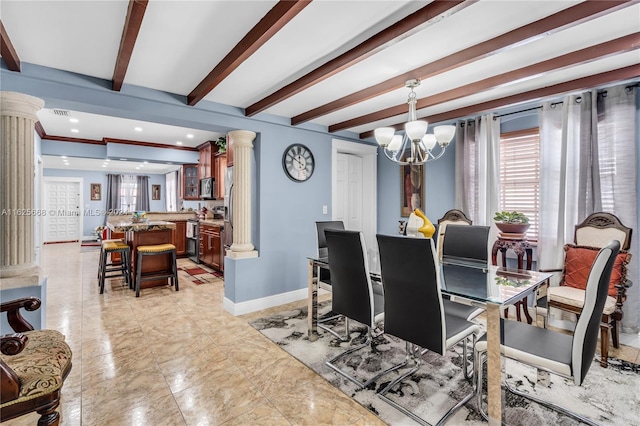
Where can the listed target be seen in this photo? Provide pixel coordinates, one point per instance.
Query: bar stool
(160, 249)
(122, 269)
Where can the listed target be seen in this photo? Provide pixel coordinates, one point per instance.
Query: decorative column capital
(20, 105)
(242, 138)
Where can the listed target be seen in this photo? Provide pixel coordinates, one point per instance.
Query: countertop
(218, 222)
(156, 216)
(150, 225)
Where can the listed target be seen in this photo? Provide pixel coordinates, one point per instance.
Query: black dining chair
(466, 245)
(352, 293)
(324, 279)
(553, 351)
(414, 308)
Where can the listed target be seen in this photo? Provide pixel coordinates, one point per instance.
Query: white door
(349, 187)
(354, 188)
(62, 205)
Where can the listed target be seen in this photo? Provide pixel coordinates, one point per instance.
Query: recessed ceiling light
(73, 120)
(190, 136)
(137, 129)
(75, 130)
(146, 162)
(104, 165)
(64, 156)
(141, 165)
(179, 143)
(107, 159)
(137, 168)
(123, 159)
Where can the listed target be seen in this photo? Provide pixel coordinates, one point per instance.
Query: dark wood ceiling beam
(592, 53)
(132, 23)
(7, 50)
(432, 13)
(570, 17)
(279, 16)
(610, 77)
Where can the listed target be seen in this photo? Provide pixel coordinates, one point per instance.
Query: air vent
(61, 112)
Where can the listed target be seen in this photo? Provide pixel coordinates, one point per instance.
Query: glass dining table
(490, 287)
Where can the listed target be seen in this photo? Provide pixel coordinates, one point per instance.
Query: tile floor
(178, 358)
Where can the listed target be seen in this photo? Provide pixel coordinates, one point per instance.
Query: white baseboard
(249, 306)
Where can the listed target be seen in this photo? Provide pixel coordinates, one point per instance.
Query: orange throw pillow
(577, 265)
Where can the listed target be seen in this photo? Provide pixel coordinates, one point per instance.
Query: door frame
(79, 180)
(369, 155)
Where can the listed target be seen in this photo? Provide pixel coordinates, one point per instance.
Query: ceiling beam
(570, 17)
(7, 50)
(279, 16)
(132, 24)
(591, 53)
(419, 20)
(585, 83)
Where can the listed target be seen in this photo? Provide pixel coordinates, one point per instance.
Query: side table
(520, 247)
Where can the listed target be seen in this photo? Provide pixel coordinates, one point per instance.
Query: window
(128, 190)
(520, 176)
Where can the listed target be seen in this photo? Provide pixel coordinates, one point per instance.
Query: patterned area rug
(200, 274)
(609, 396)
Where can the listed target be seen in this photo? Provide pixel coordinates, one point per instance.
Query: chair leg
(175, 269)
(49, 415)
(331, 363)
(411, 353)
(102, 271)
(138, 274)
(604, 345)
(615, 333)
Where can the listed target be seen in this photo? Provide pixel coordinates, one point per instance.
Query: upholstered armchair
(595, 232)
(33, 366)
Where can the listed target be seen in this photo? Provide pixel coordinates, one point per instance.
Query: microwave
(207, 188)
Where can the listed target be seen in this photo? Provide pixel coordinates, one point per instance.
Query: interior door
(349, 180)
(62, 205)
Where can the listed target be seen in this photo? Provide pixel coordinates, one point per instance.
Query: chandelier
(415, 146)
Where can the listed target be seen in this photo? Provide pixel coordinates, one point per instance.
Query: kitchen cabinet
(189, 182)
(229, 150)
(204, 161)
(220, 167)
(179, 238)
(211, 246)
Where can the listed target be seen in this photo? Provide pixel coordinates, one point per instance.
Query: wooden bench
(33, 366)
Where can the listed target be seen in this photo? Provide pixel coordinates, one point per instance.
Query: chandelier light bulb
(384, 135)
(444, 134)
(416, 129)
(396, 143)
(429, 141)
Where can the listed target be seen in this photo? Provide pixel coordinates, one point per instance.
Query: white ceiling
(180, 42)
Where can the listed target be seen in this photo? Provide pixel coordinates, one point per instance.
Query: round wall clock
(298, 162)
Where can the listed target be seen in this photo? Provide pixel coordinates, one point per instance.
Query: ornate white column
(241, 141)
(17, 261)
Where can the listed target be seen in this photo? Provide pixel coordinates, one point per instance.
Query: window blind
(520, 176)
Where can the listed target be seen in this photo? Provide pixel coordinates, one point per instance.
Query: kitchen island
(145, 233)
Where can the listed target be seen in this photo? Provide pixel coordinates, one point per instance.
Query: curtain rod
(627, 87)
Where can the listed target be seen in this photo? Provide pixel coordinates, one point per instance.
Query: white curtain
(128, 184)
(588, 163)
(171, 180)
(477, 168)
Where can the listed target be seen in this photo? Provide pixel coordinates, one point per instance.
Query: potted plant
(511, 222)
(222, 144)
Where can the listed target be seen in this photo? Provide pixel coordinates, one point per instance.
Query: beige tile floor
(178, 358)
(174, 358)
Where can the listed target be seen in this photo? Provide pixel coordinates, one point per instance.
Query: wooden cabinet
(229, 151)
(189, 182)
(179, 238)
(211, 246)
(220, 167)
(204, 161)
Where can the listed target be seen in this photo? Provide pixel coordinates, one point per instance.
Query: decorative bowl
(513, 228)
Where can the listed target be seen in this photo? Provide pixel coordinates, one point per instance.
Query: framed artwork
(155, 192)
(411, 189)
(96, 192)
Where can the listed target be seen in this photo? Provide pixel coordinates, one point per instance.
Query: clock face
(298, 162)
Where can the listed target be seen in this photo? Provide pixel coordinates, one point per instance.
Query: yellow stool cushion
(115, 245)
(156, 249)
